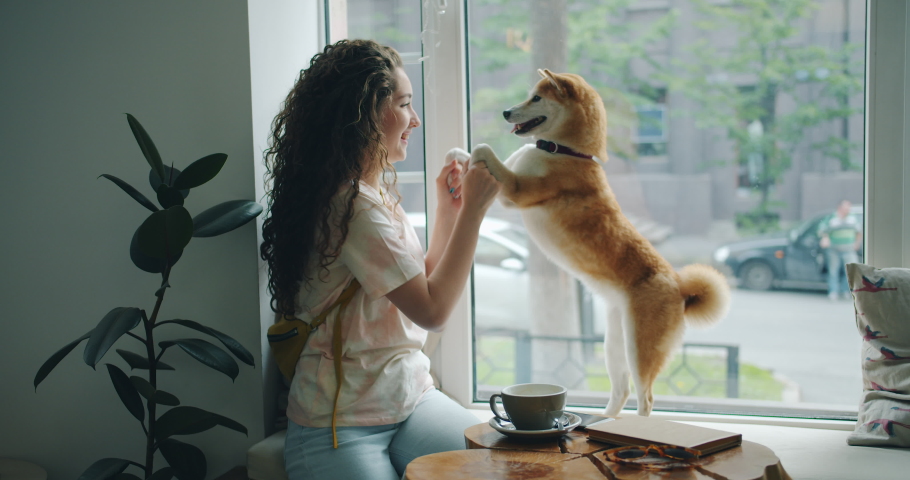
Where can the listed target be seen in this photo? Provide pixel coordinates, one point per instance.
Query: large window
(735, 128)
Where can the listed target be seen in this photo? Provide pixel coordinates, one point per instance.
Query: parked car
(500, 272)
(788, 259)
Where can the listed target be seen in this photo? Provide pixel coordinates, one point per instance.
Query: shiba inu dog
(571, 213)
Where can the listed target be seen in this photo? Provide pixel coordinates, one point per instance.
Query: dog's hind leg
(617, 362)
(656, 315)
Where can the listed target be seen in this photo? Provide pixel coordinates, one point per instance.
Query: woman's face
(399, 119)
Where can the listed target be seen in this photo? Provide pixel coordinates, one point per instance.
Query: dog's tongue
(515, 127)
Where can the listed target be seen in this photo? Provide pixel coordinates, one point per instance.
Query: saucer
(569, 419)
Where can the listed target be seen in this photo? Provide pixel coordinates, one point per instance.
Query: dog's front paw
(457, 154)
(482, 153)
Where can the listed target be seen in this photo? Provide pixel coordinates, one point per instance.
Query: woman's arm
(448, 196)
(428, 299)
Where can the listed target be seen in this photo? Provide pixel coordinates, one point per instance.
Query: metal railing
(682, 376)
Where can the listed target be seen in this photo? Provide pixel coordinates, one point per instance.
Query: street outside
(800, 335)
(806, 340)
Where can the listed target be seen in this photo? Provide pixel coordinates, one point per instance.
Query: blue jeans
(379, 452)
(837, 274)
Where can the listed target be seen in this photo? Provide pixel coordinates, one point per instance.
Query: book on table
(644, 431)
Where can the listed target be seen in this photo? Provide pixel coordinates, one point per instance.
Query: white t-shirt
(385, 371)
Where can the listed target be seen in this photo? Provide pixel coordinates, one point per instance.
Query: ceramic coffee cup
(531, 406)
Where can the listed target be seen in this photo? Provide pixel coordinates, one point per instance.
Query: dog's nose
(507, 114)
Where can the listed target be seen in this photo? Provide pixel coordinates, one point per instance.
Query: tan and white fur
(571, 213)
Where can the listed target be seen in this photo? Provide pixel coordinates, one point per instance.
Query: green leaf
(143, 386)
(165, 473)
(136, 361)
(117, 322)
(165, 233)
(169, 196)
(207, 354)
(127, 392)
(231, 424)
(164, 398)
(184, 421)
(52, 362)
(145, 262)
(171, 174)
(187, 461)
(224, 217)
(104, 469)
(145, 202)
(147, 146)
(233, 345)
(149, 392)
(190, 420)
(200, 171)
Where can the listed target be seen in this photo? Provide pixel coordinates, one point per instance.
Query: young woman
(332, 220)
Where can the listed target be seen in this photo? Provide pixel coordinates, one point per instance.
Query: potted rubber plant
(156, 246)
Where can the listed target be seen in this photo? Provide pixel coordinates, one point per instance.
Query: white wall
(70, 72)
(284, 35)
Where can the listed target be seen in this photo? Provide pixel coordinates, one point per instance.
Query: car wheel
(756, 276)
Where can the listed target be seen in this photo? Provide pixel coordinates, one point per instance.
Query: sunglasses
(642, 457)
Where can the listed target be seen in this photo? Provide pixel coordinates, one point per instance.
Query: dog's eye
(536, 98)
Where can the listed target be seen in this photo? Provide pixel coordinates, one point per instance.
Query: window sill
(808, 449)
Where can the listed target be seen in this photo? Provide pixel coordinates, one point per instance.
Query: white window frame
(446, 126)
(887, 168)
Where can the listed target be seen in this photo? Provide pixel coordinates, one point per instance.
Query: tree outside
(765, 88)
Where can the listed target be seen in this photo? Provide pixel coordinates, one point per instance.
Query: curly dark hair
(328, 133)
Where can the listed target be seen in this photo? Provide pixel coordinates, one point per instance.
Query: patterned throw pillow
(882, 302)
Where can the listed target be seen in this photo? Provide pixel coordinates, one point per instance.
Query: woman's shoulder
(369, 196)
(366, 199)
(368, 207)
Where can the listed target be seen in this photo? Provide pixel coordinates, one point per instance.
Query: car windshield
(810, 225)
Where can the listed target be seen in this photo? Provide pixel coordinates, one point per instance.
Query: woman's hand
(448, 183)
(428, 299)
(479, 188)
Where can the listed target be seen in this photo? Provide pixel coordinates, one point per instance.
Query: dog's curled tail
(706, 293)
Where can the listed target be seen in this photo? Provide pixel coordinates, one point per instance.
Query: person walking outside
(841, 236)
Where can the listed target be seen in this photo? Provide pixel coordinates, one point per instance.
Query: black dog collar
(553, 147)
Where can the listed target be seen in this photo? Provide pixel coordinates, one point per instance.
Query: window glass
(396, 23)
(491, 253)
(735, 127)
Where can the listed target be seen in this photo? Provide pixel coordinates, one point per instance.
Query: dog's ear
(552, 78)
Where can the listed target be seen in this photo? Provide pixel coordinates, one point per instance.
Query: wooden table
(493, 456)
